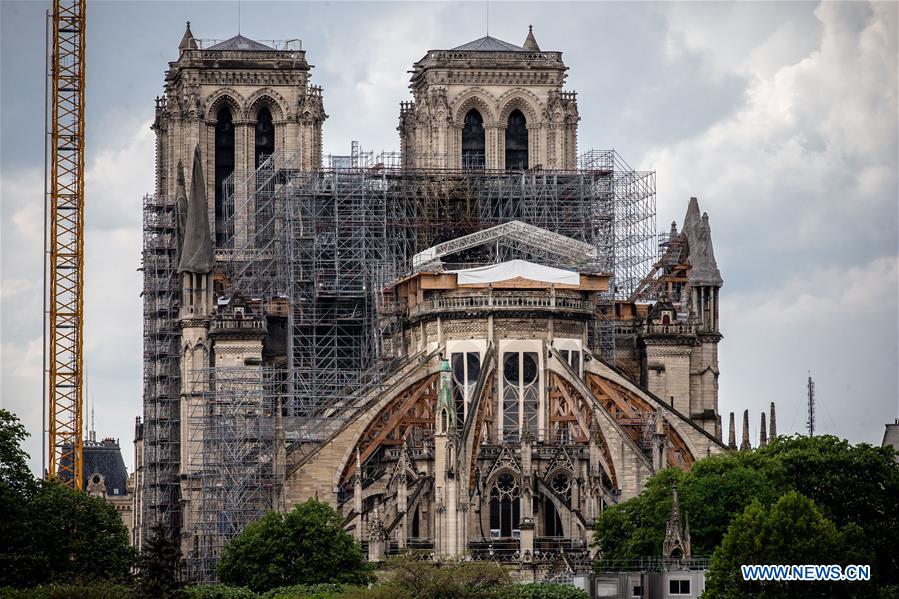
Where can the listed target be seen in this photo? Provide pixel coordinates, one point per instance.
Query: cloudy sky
(780, 117)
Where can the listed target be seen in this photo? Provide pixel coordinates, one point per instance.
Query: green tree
(51, 533)
(850, 484)
(18, 564)
(159, 563)
(14, 472)
(78, 537)
(412, 578)
(712, 493)
(793, 532)
(542, 590)
(305, 546)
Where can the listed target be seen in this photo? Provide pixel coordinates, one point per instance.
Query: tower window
(473, 140)
(224, 166)
(265, 135)
(516, 142)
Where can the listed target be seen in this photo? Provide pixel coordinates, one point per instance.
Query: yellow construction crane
(66, 242)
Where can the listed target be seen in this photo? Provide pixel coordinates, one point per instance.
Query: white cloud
(801, 189)
(115, 181)
(841, 324)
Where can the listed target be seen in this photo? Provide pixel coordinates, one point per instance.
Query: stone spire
(180, 211)
(187, 41)
(745, 445)
(672, 234)
(692, 218)
(772, 424)
(530, 42)
(732, 435)
(763, 432)
(677, 538)
(704, 269)
(197, 255)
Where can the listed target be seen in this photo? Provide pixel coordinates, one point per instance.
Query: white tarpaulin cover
(516, 268)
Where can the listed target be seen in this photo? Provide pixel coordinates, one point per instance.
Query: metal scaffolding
(160, 499)
(319, 251)
(328, 244)
(232, 480)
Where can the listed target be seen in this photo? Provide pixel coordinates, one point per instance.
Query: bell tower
(490, 104)
(239, 101)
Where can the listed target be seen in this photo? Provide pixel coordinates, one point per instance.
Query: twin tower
(485, 104)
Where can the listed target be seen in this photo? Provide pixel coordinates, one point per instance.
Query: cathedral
(467, 347)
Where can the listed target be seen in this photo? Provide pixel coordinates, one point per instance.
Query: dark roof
(489, 44)
(239, 42)
(104, 457)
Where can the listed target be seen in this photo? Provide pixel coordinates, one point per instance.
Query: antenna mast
(811, 406)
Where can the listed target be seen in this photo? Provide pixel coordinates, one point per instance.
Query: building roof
(530, 42)
(105, 458)
(489, 44)
(239, 42)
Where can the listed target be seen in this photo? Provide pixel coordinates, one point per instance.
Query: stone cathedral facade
(499, 430)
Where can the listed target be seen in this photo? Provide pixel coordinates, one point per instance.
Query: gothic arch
(221, 96)
(478, 99)
(521, 100)
(544, 492)
(382, 421)
(268, 98)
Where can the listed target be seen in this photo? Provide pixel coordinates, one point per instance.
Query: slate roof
(105, 457)
(489, 44)
(239, 42)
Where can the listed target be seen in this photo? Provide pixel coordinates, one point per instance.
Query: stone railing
(524, 302)
(232, 323)
(674, 328)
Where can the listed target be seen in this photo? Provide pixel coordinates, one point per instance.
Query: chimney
(763, 433)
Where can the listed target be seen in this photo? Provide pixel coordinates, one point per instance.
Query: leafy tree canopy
(794, 531)
(856, 484)
(305, 546)
(14, 472)
(50, 533)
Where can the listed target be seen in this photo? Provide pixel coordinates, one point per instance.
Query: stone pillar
(763, 432)
(772, 423)
(732, 435)
(377, 539)
(357, 498)
(659, 443)
(745, 445)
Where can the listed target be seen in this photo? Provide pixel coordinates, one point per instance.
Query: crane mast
(66, 243)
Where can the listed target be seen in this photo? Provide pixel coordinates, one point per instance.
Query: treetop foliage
(305, 546)
(848, 484)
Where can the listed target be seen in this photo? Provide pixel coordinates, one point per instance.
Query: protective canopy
(514, 269)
